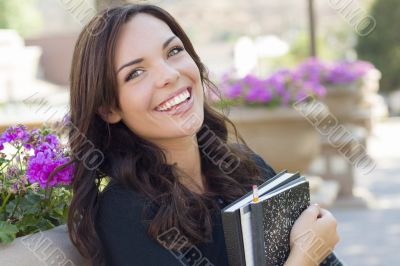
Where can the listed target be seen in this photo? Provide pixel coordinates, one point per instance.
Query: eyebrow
(139, 60)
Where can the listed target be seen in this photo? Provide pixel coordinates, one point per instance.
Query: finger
(327, 218)
(312, 211)
(325, 213)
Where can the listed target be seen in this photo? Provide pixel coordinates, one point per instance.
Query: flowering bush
(284, 87)
(30, 200)
(337, 73)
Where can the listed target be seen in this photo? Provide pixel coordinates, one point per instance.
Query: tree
(20, 15)
(382, 46)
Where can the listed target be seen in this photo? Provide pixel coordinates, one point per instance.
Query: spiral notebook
(257, 233)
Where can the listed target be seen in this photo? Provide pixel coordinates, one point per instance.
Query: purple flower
(279, 81)
(28, 146)
(300, 95)
(256, 90)
(258, 94)
(66, 119)
(287, 86)
(46, 142)
(12, 172)
(43, 163)
(234, 91)
(52, 140)
(14, 188)
(340, 74)
(314, 88)
(347, 72)
(48, 154)
(35, 132)
(15, 135)
(311, 70)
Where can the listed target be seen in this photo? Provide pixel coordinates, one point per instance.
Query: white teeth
(174, 101)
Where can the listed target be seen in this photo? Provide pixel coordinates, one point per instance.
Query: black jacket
(126, 242)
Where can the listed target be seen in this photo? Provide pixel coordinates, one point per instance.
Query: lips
(175, 100)
(179, 109)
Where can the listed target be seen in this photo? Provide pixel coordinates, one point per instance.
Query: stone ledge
(51, 247)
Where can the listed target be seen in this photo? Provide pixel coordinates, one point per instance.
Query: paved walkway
(372, 236)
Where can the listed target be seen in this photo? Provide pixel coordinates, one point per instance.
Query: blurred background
(344, 53)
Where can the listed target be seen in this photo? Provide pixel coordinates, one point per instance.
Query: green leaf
(26, 221)
(30, 224)
(43, 224)
(10, 206)
(65, 212)
(7, 232)
(30, 204)
(57, 214)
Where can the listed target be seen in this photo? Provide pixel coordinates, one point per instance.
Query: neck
(185, 153)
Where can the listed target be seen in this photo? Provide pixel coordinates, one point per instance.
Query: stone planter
(370, 85)
(343, 100)
(282, 136)
(51, 247)
(353, 103)
(346, 98)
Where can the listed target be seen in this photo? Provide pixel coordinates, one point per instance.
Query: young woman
(138, 98)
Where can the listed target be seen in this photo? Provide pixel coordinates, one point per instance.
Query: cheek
(189, 67)
(136, 98)
(134, 104)
(191, 70)
(194, 71)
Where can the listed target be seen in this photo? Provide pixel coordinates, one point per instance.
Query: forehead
(139, 36)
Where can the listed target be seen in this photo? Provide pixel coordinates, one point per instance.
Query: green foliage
(7, 232)
(226, 103)
(26, 206)
(382, 46)
(32, 212)
(20, 15)
(300, 50)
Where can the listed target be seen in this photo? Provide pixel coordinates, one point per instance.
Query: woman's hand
(313, 237)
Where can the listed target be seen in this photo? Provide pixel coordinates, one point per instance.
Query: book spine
(233, 238)
(258, 233)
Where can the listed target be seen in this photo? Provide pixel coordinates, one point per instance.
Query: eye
(133, 74)
(176, 50)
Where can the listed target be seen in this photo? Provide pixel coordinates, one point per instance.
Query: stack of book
(257, 227)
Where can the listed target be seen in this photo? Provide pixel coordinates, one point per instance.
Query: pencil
(255, 193)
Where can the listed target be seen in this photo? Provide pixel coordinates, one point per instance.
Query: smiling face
(159, 86)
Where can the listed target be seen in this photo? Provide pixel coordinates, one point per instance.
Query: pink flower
(43, 163)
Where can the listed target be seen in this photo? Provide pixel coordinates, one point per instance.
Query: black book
(258, 233)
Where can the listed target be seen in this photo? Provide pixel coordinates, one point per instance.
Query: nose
(167, 74)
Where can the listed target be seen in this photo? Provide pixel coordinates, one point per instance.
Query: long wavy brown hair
(103, 150)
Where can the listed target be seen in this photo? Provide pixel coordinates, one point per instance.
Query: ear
(109, 115)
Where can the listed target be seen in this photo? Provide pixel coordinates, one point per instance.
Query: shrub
(29, 200)
(382, 46)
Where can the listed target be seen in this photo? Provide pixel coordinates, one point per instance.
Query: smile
(176, 101)
(178, 104)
